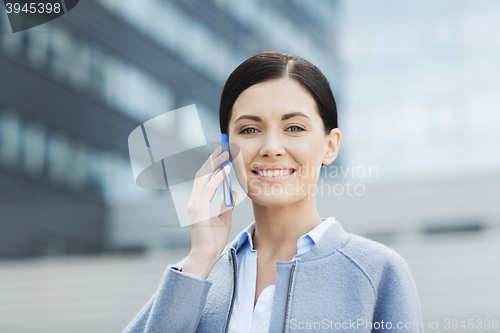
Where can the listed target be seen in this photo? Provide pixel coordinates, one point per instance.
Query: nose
(272, 146)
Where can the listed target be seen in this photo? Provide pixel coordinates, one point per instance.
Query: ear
(332, 144)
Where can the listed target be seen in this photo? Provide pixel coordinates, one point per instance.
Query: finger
(211, 187)
(207, 165)
(216, 153)
(204, 176)
(225, 212)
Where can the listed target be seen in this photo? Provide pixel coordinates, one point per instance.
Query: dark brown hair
(274, 65)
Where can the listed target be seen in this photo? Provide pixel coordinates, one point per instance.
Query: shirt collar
(310, 238)
(245, 235)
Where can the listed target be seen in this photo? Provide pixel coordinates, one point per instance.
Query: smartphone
(226, 185)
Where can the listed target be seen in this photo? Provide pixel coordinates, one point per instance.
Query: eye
(299, 129)
(248, 128)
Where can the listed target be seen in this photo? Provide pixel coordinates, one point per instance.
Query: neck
(277, 229)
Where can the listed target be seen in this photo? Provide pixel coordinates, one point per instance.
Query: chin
(270, 200)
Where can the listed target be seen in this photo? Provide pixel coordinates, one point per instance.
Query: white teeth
(274, 173)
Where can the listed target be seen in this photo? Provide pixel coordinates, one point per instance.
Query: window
(57, 157)
(38, 47)
(11, 42)
(79, 74)
(10, 128)
(78, 166)
(97, 70)
(62, 48)
(33, 148)
(95, 171)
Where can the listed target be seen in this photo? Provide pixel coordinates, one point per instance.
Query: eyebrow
(284, 117)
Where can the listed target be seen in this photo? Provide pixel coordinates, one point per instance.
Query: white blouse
(245, 318)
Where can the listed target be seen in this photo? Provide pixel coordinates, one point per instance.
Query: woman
(309, 274)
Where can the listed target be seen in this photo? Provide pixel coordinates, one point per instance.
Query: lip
(276, 179)
(266, 167)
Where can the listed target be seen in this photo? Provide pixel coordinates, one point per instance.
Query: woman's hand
(209, 234)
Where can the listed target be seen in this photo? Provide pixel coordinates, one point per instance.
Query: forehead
(274, 98)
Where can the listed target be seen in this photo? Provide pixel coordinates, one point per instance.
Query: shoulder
(380, 263)
(371, 252)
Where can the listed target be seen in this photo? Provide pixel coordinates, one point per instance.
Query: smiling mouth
(273, 173)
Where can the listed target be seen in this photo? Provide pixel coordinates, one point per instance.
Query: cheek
(248, 154)
(308, 155)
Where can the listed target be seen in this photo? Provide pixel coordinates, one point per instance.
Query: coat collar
(334, 238)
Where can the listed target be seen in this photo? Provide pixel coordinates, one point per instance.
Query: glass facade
(179, 33)
(88, 69)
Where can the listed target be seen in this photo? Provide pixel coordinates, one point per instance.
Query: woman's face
(276, 125)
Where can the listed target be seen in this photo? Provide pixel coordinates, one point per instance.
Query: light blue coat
(344, 283)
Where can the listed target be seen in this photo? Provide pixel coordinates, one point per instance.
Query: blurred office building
(73, 89)
(420, 103)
